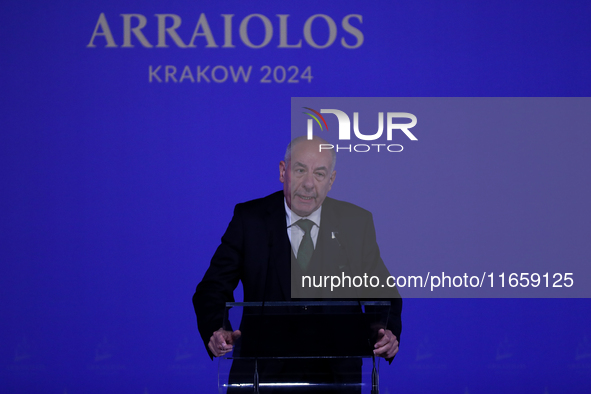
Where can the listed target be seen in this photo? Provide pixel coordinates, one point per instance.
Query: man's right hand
(222, 341)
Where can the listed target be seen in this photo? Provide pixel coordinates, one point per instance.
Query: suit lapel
(329, 256)
(280, 246)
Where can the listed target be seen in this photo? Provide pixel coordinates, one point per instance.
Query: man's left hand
(387, 344)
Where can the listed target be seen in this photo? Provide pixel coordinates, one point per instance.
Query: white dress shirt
(295, 233)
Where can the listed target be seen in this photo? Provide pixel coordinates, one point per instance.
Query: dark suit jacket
(256, 250)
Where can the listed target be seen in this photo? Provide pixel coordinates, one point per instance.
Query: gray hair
(295, 141)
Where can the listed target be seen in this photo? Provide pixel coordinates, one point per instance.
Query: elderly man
(299, 224)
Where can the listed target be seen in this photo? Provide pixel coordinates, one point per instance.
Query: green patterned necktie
(306, 246)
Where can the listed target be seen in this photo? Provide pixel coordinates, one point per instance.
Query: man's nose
(308, 181)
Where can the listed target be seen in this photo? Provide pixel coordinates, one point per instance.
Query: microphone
(335, 236)
(347, 265)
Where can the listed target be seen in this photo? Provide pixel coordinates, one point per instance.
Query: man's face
(307, 178)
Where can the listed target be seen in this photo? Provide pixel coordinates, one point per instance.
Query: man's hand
(387, 344)
(222, 341)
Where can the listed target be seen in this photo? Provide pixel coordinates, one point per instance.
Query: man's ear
(332, 178)
(282, 169)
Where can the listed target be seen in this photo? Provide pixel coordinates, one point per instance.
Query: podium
(302, 347)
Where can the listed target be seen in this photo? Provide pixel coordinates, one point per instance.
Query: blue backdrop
(118, 180)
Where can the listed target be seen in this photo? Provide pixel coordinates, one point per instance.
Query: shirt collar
(292, 217)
